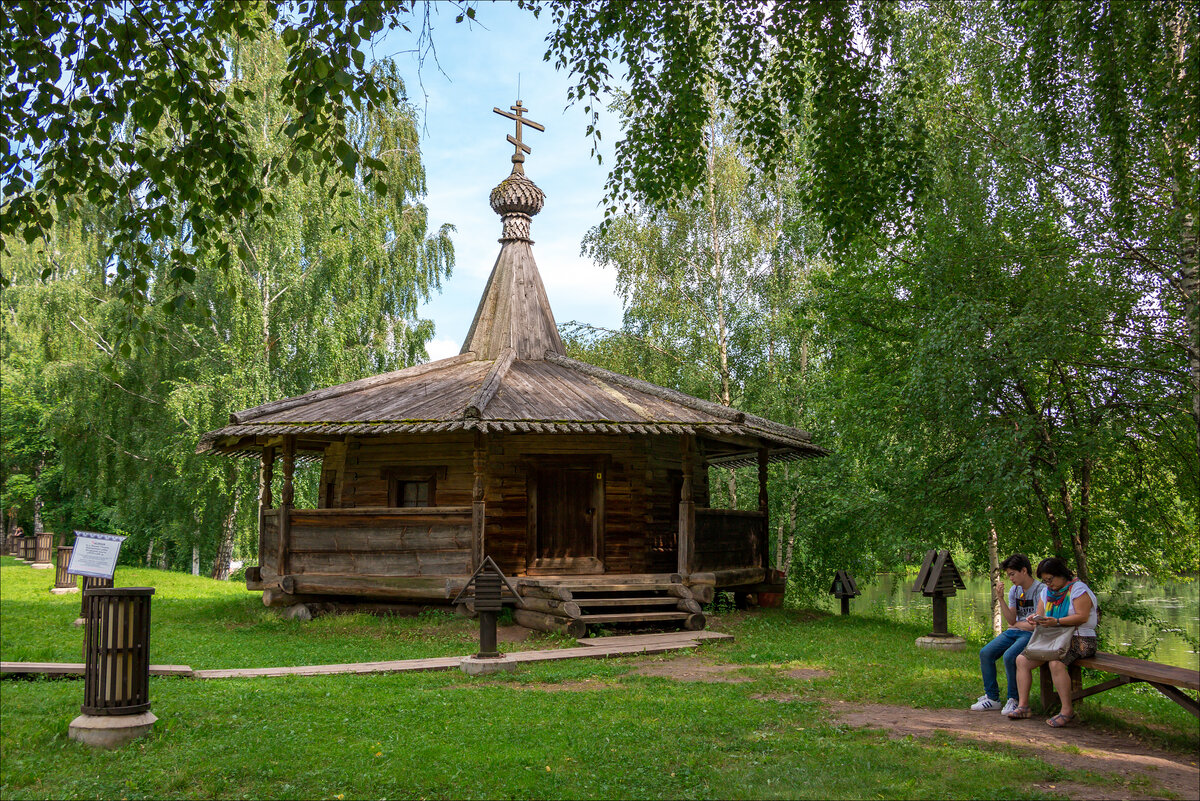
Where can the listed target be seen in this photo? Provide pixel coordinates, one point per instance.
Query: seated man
(1022, 599)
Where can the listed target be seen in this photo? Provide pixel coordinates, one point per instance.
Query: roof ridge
(491, 384)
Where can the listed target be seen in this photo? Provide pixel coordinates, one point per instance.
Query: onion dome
(516, 200)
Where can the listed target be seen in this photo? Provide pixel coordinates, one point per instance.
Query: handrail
(398, 511)
(728, 512)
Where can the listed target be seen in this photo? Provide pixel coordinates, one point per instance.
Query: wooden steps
(639, 617)
(639, 601)
(569, 605)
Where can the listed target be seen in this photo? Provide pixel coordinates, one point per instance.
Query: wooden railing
(728, 539)
(427, 541)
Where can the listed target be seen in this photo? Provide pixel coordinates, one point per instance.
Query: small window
(412, 486)
(414, 493)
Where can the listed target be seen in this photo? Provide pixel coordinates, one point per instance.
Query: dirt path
(1129, 761)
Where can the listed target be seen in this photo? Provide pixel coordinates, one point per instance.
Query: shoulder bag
(1050, 643)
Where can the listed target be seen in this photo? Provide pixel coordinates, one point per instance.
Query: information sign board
(95, 554)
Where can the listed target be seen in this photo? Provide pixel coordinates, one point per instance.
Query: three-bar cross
(518, 158)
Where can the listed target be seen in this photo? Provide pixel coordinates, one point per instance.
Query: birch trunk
(220, 569)
(997, 581)
(38, 503)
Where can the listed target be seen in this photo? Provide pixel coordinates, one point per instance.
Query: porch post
(287, 495)
(266, 474)
(478, 510)
(764, 534)
(686, 538)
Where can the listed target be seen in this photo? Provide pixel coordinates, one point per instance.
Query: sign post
(95, 555)
(939, 579)
(488, 582)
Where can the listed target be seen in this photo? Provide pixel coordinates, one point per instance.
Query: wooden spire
(514, 312)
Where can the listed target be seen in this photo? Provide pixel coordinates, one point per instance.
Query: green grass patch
(575, 729)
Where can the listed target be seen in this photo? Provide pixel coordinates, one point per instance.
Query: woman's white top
(1088, 628)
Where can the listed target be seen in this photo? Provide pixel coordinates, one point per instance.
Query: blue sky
(465, 153)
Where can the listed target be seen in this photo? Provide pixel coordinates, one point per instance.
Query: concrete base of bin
(951, 643)
(42, 566)
(475, 666)
(63, 590)
(110, 731)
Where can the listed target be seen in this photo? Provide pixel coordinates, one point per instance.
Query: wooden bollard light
(489, 583)
(939, 579)
(116, 673)
(64, 582)
(844, 588)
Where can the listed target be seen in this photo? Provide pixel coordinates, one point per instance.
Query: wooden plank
(487, 390)
(653, 639)
(615, 584)
(739, 576)
(77, 669)
(385, 539)
(418, 587)
(396, 666)
(634, 617)
(349, 387)
(1179, 697)
(371, 513)
(582, 582)
(1143, 669)
(668, 601)
(377, 563)
(1119, 681)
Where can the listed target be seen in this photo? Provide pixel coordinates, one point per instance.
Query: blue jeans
(1009, 645)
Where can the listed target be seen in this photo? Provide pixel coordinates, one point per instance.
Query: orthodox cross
(518, 158)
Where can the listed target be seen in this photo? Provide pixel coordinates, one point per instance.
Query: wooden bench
(1167, 679)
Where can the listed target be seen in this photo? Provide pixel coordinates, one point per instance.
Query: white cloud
(442, 348)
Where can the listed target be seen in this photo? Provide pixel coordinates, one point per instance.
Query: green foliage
(1008, 344)
(327, 291)
(766, 64)
(135, 109)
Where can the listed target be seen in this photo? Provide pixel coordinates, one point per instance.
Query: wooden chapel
(587, 487)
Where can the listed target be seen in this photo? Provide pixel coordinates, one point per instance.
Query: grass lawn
(572, 729)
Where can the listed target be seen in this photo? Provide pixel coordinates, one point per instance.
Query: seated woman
(1065, 601)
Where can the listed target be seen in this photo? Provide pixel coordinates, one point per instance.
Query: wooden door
(565, 519)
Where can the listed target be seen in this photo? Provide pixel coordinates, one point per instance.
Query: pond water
(1176, 602)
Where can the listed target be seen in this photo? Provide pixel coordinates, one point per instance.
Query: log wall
(383, 542)
(356, 533)
(361, 471)
(727, 539)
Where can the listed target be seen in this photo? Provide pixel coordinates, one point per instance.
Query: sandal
(1060, 720)
(1020, 713)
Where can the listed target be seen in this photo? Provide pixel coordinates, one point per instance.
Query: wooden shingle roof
(554, 394)
(512, 375)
